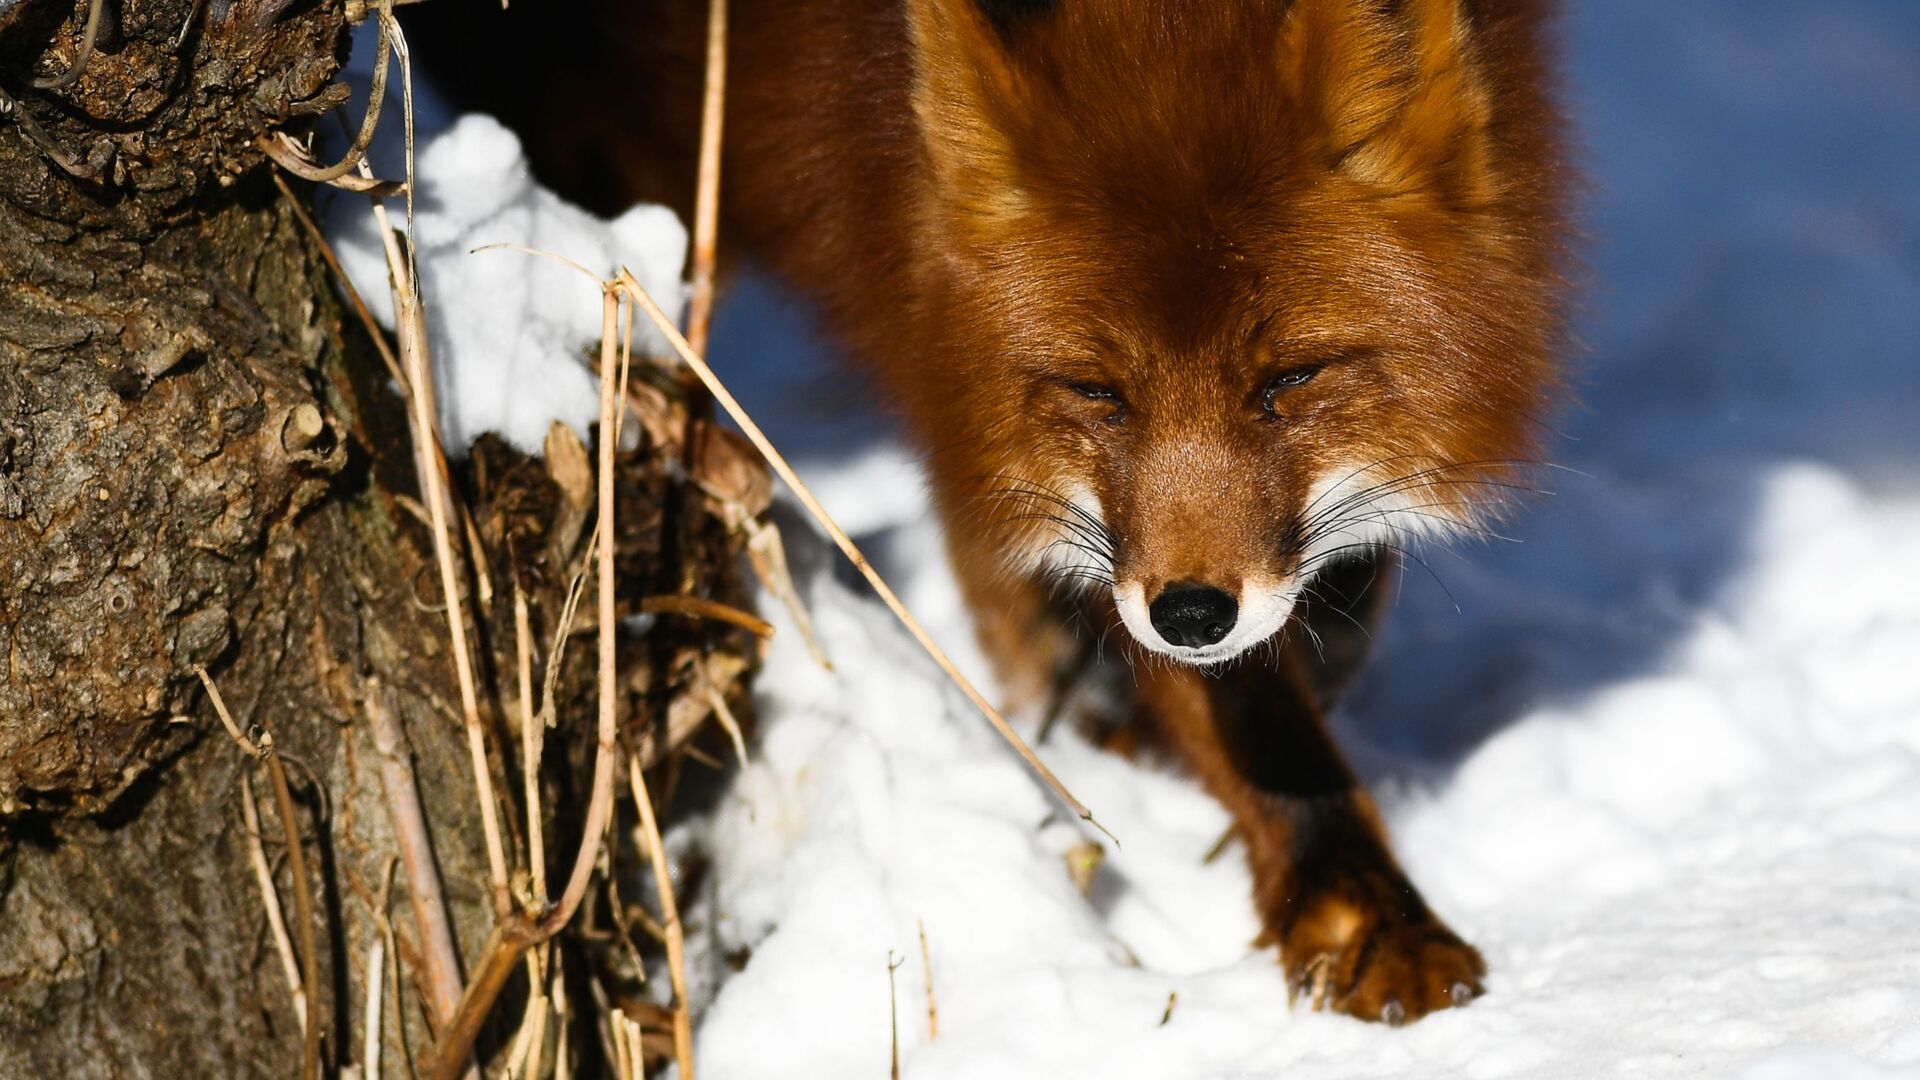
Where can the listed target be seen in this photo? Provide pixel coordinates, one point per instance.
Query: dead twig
(701, 607)
(767, 554)
(370, 1020)
(38, 136)
(926, 969)
(600, 799)
(294, 158)
(562, 1014)
(296, 866)
(395, 975)
(96, 11)
(706, 204)
(226, 718)
(531, 741)
(269, 896)
(302, 908)
(893, 1012)
(1219, 846)
(374, 1043)
(523, 1059)
(669, 918)
(717, 701)
(850, 550)
(410, 324)
(354, 299)
(424, 893)
(508, 941)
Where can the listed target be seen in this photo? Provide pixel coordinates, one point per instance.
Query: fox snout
(1202, 623)
(1192, 616)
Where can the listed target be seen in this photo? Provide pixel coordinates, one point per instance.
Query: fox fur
(1199, 310)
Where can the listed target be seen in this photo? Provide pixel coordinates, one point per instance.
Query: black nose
(1193, 615)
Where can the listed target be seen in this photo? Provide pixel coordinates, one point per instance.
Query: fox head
(1230, 290)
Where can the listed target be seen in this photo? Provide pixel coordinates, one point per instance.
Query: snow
(1672, 872)
(510, 332)
(1660, 760)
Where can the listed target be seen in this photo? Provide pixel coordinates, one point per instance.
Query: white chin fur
(1264, 607)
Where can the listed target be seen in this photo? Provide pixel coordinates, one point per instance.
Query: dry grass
(926, 970)
(851, 550)
(308, 926)
(270, 898)
(527, 915)
(669, 918)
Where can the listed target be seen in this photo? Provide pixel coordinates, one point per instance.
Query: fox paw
(1391, 972)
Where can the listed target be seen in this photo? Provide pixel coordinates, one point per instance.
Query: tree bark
(168, 333)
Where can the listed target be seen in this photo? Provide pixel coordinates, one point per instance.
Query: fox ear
(967, 97)
(1393, 91)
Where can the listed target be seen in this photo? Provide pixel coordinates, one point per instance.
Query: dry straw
(847, 547)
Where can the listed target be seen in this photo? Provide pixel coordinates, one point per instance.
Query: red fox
(1200, 310)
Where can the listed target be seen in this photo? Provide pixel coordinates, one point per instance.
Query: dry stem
(731, 725)
(292, 157)
(296, 866)
(524, 1057)
(562, 1013)
(848, 548)
(515, 934)
(89, 35)
(893, 1011)
(600, 801)
(410, 323)
(926, 969)
(508, 941)
(416, 858)
(226, 718)
(706, 206)
(354, 299)
(302, 908)
(707, 609)
(669, 918)
(530, 745)
(370, 1022)
(276, 922)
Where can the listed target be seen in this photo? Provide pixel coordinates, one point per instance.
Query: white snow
(1660, 761)
(509, 332)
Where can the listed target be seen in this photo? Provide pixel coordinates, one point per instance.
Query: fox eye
(1283, 382)
(1106, 395)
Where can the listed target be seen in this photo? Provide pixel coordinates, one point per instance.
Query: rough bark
(167, 332)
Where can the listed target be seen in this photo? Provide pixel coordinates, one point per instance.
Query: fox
(1201, 314)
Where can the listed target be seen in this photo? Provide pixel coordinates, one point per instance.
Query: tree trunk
(168, 335)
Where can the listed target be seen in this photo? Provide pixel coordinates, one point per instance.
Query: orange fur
(1191, 295)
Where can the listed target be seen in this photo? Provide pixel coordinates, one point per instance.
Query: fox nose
(1193, 615)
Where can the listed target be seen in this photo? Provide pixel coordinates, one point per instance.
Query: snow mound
(510, 333)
